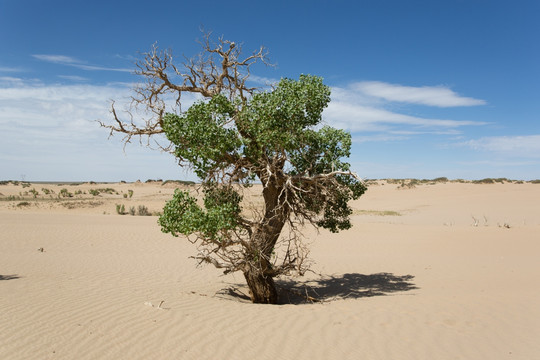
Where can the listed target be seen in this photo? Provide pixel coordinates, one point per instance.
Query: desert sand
(443, 271)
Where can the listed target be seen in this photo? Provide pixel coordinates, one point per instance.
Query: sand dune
(446, 271)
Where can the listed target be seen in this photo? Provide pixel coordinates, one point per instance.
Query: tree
(235, 136)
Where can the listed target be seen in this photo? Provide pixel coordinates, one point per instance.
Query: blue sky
(427, 88)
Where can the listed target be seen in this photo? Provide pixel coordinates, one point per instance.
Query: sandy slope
(427, 284)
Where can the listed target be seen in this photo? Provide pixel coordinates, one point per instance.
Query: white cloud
(10, 69)
(50, 133)
(73, 77)
(261, 80)
(353, 110)
(439, 96)
(513, 146)
(71, 61)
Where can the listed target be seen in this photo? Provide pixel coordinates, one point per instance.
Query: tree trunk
(262, 288)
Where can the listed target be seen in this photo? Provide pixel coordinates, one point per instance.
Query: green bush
(65, 193)
(120, 209)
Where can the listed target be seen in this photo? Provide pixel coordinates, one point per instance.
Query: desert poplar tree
(236, 136)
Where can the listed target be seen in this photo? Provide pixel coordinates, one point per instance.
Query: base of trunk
(262, 289)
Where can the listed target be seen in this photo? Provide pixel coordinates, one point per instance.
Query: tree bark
(262, 288)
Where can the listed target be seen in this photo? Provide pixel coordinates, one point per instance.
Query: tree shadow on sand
(9, 277)
(331, 288)
(346, 286)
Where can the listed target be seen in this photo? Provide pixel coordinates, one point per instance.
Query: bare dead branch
(218, 69)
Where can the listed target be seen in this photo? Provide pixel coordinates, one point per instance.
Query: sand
(445, 271)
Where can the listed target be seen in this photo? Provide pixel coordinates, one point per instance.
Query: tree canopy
(237, 136)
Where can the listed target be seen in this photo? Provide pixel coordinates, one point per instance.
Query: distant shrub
(46, 191)
(65, 193)
(132, 210)
(535, 181)
(441, 179)
(130, 192)
(23, 204)
(143, 211)
(484, 181)
(96, 192)
(409, 184)
(34, 192)
(179, 182)
(13, 198)
(120, 209)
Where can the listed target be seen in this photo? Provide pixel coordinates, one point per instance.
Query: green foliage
(182, 214)
(217, 134)
(120, 209)
(96, 192)
(130, 192)
(201, 136)
(276, 120)
(65, 193)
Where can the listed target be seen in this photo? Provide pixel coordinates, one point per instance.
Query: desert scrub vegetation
(97, 192)
(65, 193)
(81, 204)
(120, 209)
(376, 212)
(12, 198)
(141, 210)
(7, 182)
(23, 204)
(491, 181)
(178, 182)
(34, 192)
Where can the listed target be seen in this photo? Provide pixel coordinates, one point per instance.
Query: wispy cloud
(71, 61)
(355, 111)
(512, 146)
(439, 96)
(73, 77)
(6, 69)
